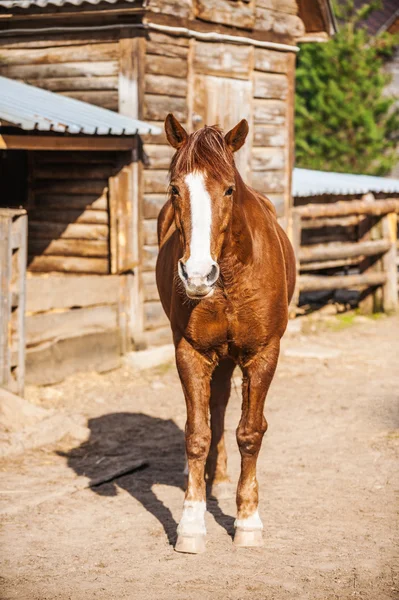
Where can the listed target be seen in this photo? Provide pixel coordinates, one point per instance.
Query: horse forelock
(206, 151)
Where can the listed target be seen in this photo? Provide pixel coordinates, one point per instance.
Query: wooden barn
(92, 198)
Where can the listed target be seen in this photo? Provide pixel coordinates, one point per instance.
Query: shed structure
(206, 61)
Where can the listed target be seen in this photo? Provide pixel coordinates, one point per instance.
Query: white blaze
(200, 261)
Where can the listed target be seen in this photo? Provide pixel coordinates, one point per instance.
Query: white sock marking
(200, 261)
(192, 521)
(250, 524)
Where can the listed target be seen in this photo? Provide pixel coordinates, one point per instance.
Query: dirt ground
(327, 473)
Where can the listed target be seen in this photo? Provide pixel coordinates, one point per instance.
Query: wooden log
(87, 248)
(225, 12)
(83, 202)
(269, 136)
(155, 181)
(68, 264)
(222, 60)
(158, 337)
(351, 207)
(270, 61)
(309, 283)
(78, 84)
(150, 254)
(34, 72)
(159, 138)
(336, 251)
(73, 171)
(157, 107)
(150, 232)
(52, 362)
(165, 38)
(150, 287)
(66, 54)
(78, 231)
(175, 8)
(270, 85)
(158, 157)
(268, 159)
(43, 327)
(129, 86)
(269, 112)
(165, 85)
(268, 181)
(390, 289)
(168, 49)
(329, 222)
(165, 65)
(61, 186)
(294, 232)
(287, 6)
(107, 99)
(279, 23)
(48, 292)
(152, 205)
(329, 264)
(99, 217)
(154, 315)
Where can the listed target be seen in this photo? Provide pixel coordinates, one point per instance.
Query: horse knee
(198, 443)
(249, 439)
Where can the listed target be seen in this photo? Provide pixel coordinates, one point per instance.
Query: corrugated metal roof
(44, 3)
(306, 182)
(32, 108)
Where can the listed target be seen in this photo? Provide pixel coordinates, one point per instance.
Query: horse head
(201, 195)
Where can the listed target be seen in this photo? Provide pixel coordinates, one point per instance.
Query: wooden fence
(368, 263)
(13, 238)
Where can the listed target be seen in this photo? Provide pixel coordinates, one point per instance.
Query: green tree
(343, 120)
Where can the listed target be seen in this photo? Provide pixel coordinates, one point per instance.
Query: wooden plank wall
(72, 324)
(76, 68)
(68, 216)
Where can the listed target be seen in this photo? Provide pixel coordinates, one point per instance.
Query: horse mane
(204, 150)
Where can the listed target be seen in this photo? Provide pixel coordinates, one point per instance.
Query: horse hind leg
(216, 465)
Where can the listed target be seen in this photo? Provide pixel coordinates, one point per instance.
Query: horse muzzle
(197, 285)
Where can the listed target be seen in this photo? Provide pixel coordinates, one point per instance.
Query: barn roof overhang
(31, 117)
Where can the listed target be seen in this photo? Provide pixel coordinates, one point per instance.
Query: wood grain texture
(226, 12)
(271, 61)
(165, 65)
(270, 85)
(153, 204)
(222, 60)
(154, 315)
(278, 22)
(66, 54)
(150, 231)
(269, 135)
(75, 84)
(167, 49)
(268, 159)
(286, 6)
(46, 292)
(99, 217)
(86, 248)
(88, 70)
(155, 181)
(105, 99)
(272, 112)
(157, 156)
(157, 107)
(68, 264)
(165, 85)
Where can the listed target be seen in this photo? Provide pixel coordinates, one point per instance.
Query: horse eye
(229, 191)
(174, 190)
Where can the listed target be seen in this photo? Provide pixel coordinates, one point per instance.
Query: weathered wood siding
(84, 70)
(68, 216)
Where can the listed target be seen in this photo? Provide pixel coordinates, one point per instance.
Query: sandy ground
(327, 473)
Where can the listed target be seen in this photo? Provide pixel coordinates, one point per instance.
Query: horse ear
(235, 138)
(175, 133)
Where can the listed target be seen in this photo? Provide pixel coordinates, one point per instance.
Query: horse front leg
(195, 373)
(257, 377)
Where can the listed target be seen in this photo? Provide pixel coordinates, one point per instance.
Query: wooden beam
(351, 207)
(336, 251)
(308, 283)
(41, 142)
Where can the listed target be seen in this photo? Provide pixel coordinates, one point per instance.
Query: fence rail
(373, 253)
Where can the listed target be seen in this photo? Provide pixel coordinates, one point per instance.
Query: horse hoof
(190, 544)
(248, 539)
(221, 491)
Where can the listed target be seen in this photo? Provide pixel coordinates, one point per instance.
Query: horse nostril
(183, 270)
(213, 274)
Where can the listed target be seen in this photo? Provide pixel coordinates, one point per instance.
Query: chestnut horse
(225, 275)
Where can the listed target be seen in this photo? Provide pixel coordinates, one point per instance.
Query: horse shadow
(117, 440)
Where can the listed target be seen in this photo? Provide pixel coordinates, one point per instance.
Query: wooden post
(5, 300)
(390, 289)
(294, 232)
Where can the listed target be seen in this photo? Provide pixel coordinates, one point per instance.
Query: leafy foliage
(343, 120)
